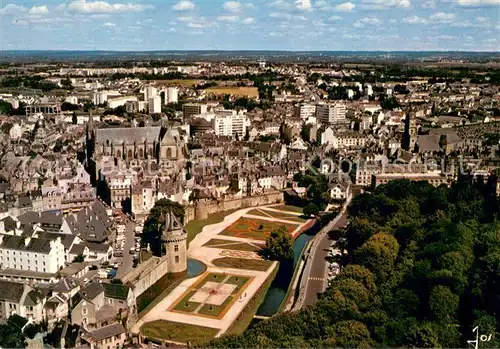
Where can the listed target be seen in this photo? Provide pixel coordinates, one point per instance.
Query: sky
(297, 25)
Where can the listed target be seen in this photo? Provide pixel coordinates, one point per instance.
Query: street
(318, 274)
(128, 258)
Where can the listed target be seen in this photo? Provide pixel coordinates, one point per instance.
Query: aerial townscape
(282, 198)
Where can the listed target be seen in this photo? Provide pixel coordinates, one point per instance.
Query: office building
(331, 113)
(193, 109)
(230, 125)
(305, 111)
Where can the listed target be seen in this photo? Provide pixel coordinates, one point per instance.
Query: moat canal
(279, 287)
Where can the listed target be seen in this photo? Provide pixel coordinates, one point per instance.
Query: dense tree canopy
(420, 268)
(279, 245)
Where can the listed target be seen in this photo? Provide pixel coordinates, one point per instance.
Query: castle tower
(174, 240)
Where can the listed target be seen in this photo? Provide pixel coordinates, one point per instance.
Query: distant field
(185, 83)
(251, 92)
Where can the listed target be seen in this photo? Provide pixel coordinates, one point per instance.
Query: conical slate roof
(172, 226)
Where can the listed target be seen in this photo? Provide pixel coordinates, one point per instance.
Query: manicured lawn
(242, 263)
(215, 310)
(251, 92)
(193, 228)
(279, 215)
(215, 277)
(232, 245)
(186, 305)
(178, 332)
(255, 228)
(288, 208)
(237, 280)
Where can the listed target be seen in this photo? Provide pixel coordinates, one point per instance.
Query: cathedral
(135, 143)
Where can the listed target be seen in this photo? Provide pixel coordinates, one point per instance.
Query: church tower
(174, 240)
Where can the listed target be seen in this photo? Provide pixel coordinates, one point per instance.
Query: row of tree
(420, 268)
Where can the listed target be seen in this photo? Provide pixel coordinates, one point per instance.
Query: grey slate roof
(65, 285)
(128, 134)
(66, 239)
(98, 247)
(91, 224)
(18, 243)
(29, 218)
(51, 218)
(9, 223)
(92, 290)
(428, 143)
(11, 291)
(77, 249)
(33, 298)
(106, 332)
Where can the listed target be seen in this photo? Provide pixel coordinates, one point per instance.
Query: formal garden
(212, 296)
(256, 229)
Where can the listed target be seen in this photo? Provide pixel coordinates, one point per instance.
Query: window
(176, 259)
(84, 311)
(176, 248)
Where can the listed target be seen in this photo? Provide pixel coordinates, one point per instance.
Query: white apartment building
(154, 106)
(115, 102)
(150, 92)
(305, 111)
(101, 97)
(32, 254)
(171, 95)
(331, 113)
(230, 125)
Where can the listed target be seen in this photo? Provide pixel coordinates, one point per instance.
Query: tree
(348, 334)
(79, 259)
(311, 209)
(279, 245)
(66, 106)
(443, 303)
(66, 83)
(378, 255)
(5, 107)
(10, 332)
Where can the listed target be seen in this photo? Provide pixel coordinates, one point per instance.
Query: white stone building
(32, 254)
